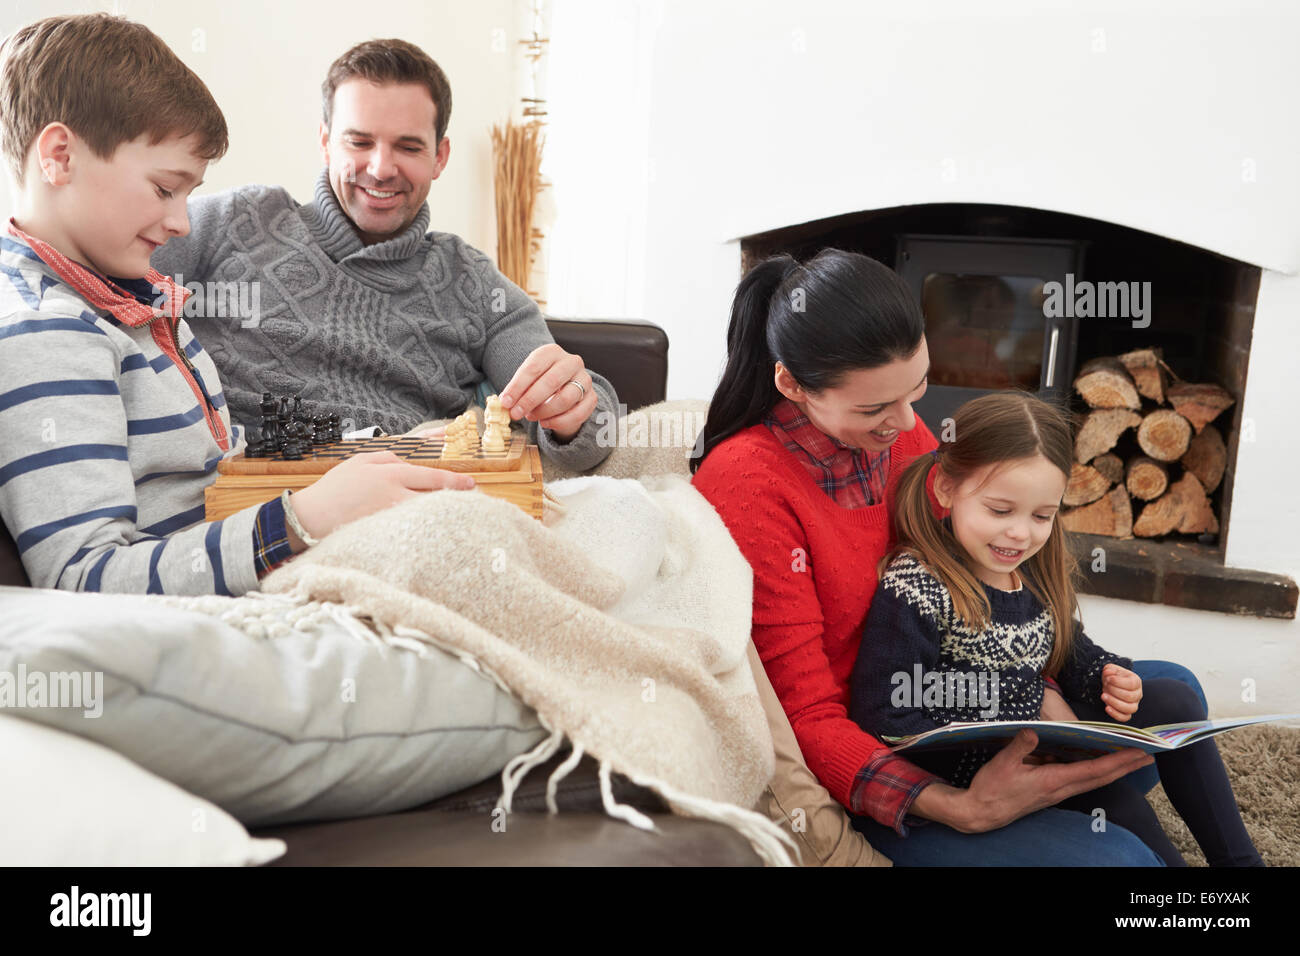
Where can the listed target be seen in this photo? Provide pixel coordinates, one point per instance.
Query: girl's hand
(1055, 707)
(1121, 690)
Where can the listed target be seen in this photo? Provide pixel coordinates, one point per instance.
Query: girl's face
(1003, 514)
(870, 407)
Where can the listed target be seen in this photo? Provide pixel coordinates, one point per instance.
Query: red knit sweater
(814, 576)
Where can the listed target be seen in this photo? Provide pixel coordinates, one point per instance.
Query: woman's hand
(1006, 788)
(362, 485)
(1055, 707)
(1121, 690)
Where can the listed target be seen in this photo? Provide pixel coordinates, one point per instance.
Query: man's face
(117, 211)
(381, 154)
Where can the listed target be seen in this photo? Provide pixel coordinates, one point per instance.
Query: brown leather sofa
(458, 830)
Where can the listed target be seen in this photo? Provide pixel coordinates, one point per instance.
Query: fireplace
(1021, 297)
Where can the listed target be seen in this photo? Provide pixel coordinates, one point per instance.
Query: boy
(112, 417)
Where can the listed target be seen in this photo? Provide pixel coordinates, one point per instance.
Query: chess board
(418, 451)
(514, 475)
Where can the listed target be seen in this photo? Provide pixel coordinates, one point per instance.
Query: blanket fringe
(618, 810)
(517, 768)
(562, 771)
(764, 835)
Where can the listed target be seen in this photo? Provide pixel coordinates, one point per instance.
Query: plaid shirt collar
(799, 429)
(104, 293)
(852, 477)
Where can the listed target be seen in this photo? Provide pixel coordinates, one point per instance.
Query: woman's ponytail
(747, 388)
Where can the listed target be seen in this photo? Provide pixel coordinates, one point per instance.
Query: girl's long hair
(993, 429)
(836, 313)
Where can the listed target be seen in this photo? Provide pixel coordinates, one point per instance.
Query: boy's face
(115, 212)
(381, 154)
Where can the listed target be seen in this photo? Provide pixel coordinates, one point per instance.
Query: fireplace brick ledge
(1180, 574)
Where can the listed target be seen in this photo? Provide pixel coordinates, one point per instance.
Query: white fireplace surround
(1178, 119)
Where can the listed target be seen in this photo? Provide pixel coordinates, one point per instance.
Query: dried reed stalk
(517, 151)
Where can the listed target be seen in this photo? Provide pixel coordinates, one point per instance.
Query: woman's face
(870, 407)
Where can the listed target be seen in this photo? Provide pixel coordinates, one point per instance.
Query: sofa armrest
(631, 353)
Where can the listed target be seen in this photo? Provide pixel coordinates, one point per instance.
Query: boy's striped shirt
(107, 443)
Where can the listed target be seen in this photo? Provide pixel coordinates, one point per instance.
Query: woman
(807, 432)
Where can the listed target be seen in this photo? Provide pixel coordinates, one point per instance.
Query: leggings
(1194, 779)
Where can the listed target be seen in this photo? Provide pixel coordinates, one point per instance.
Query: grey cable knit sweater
(393, 334)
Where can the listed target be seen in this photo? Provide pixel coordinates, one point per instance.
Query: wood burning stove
(986, 328)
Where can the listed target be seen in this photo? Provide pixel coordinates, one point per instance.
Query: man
(358, 308)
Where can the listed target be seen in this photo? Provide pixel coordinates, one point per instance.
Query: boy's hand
(365, 484)
(1055, 707)
(1121, 690)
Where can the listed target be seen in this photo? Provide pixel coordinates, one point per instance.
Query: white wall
(765, 114)
(264, 63)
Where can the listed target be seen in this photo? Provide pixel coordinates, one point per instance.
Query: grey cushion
(314, 725)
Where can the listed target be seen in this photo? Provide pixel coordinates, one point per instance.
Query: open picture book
(1081, 738)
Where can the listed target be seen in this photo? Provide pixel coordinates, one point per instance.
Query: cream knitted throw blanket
(624, 621)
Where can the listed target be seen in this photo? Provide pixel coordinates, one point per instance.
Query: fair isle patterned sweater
(912, 631)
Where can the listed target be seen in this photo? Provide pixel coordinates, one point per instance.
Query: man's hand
(1121, 690)
(541, 391)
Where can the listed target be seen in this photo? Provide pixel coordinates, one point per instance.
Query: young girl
(988, 590)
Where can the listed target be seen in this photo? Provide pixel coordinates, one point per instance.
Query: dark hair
(390, 61)
(993, 429)
(836, 313)
(108, 80)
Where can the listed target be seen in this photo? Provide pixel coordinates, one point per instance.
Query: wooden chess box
(514, 475)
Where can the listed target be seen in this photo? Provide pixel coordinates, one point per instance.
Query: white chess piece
(493, 439)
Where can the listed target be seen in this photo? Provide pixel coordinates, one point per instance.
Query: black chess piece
(295, 446)
(282, 423)
(336, 428)
(321, 433)
(266, 444)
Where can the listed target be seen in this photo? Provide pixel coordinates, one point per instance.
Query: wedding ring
(580, 389)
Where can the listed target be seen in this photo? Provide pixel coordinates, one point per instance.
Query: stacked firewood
(1147, 457)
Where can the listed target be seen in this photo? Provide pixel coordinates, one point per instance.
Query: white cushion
(68, 802)
(314, 725)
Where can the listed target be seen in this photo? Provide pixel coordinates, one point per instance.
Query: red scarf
(103, 293)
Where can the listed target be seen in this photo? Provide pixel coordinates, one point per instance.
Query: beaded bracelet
(292, 520)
